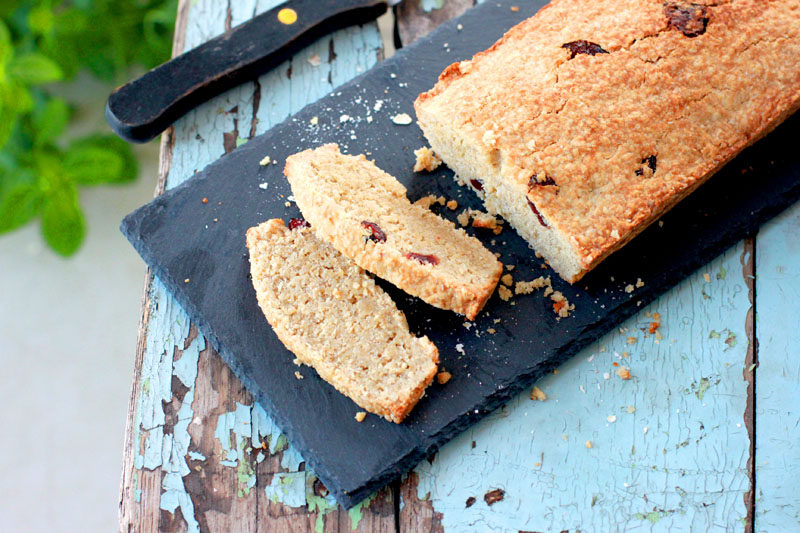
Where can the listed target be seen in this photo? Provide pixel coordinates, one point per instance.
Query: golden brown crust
(602, 145)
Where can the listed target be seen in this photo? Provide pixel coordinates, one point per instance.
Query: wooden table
(703, 437)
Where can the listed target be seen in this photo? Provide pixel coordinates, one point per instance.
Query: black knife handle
(143, 108)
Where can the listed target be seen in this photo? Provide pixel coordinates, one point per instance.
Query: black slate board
(178, 238)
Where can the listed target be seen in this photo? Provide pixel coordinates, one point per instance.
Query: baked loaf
(365, 214)
(585, 123)
(332, 316)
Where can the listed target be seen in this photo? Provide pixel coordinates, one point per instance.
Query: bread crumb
(186, 280)
(548, 291)
(460, 27)
(443, 377)
(629, 288)
(266, 161)
(611, 418)
(452, 205)
(314, 120)
(507, 280)
(463, 218)
(515, 9)
(589, 444)
(645, 429)
(632, 340)
(538, 394)
(496, 320)
(510, 267)
(561, 305)
(707, 277)
(460, 348)
(426, 160)
(639, 283)
(624, 372)
(505, 293)
(653, 327)
(360, 416)
(344, 118)
(426, 201)
(298, 375)
(402, 119)
(205, 200)
(492, 331)
(441, 200)
(630, 409)
(287, 204)
(482, 220)
(527, 287)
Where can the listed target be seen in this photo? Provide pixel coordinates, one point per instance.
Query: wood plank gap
(748, 260)
(396, 497)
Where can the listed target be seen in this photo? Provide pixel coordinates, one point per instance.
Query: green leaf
(100, 159)
(50, 120)
(93, 165)
(19, 204)
(6, 48)
(34, 68)
(41, 19)
(63, 226)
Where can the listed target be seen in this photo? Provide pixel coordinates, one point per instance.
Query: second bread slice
(333, 317)
(365, 214)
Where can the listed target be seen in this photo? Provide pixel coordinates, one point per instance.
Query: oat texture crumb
(561, 305)
(538, 394)
(507, 280)
(426, 160)
(402, 119)
(527, 287)
(505, 292)
(463, 217)
(426, 201)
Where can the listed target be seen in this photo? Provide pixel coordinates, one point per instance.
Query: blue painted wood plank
(668, 447)
(201, 137)
(777, 458)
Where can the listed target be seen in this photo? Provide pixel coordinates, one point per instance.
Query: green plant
(43, 42)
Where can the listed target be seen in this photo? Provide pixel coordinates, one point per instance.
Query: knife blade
(143, 108)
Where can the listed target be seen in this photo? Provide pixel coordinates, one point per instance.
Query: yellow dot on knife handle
(287, 16)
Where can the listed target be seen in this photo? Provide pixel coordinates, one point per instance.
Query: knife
(143, 108)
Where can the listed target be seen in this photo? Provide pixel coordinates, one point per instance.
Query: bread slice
(364, 213)
(331, 315)
(585, 123)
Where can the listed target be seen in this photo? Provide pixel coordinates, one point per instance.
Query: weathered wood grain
(777, 457)
(669, 447)
(200, 455)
